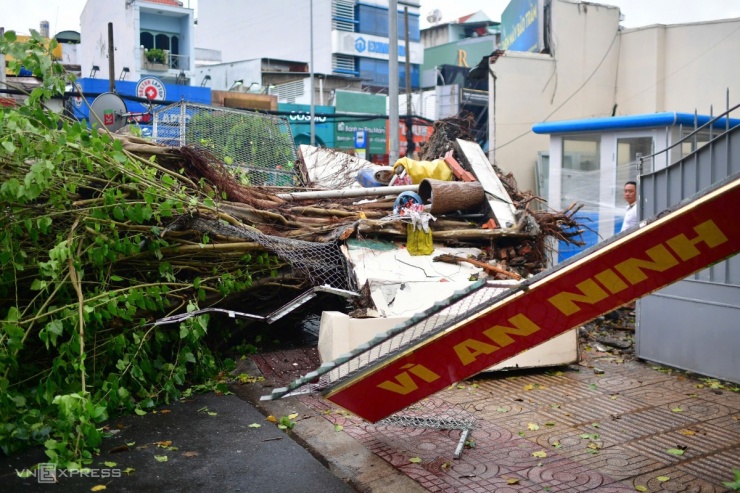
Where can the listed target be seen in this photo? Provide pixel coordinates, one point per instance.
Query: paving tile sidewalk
(608, 424)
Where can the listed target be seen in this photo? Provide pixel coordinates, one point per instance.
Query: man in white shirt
(630, 195)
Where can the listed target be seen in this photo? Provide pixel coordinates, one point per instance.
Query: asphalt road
(212, 448)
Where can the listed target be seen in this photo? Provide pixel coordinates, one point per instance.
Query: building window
(628, 151)
(581, 172)
(163, 41)
(343, 64)
(374, 21)
(697, 140)
(376, 73)
(343, 15)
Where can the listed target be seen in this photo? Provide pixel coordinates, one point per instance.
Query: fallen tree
(103, 234)
(90, 258)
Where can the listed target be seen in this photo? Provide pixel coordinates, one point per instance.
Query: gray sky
(62, 15)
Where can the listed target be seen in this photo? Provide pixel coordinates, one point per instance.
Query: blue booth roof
(650, 120)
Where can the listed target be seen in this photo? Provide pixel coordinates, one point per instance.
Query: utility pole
(111, 59)
(410, 145)
(313, 94)
(393, 80)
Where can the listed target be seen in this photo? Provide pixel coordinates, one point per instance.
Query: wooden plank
(501, 206)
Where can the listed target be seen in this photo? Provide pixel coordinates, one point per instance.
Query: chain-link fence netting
(321, 263)
(259, 147)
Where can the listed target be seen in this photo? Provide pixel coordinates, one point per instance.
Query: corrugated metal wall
(694, 324)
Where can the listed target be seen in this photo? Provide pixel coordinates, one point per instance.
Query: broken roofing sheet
(402, 284)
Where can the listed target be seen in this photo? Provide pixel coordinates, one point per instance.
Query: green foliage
(84, 271)
(286, 423)
(734, 485)
(155, 55)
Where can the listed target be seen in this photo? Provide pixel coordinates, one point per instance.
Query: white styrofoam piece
(339, 334)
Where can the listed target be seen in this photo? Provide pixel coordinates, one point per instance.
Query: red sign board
(656, 255)
(422, 132)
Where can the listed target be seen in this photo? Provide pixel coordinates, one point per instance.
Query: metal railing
(170, 62)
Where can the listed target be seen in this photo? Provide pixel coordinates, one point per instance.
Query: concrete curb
(344, 456)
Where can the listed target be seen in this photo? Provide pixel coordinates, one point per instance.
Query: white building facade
(341, 37)
(590, 66)
(137, 27)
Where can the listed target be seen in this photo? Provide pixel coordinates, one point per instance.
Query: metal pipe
(461, 443)
(393, 81)
(348, 192)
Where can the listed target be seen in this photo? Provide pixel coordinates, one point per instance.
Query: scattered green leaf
(735, 485)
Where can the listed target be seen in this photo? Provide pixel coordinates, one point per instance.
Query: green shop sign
(361, 107)
(374, 131)
(299, 118)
